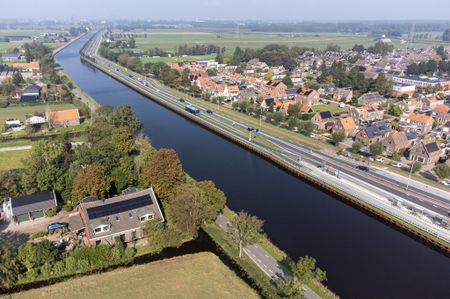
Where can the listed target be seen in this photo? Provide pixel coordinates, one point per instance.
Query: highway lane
(415, 195)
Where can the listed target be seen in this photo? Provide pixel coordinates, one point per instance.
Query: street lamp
(409, 177)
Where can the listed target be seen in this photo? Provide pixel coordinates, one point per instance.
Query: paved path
(264, 261)
(84, 98)
(15, 148)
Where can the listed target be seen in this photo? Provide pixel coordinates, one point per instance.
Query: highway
(416, 198)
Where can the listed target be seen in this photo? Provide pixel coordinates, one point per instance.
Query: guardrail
(304, 173)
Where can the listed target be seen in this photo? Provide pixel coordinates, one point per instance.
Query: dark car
(209, 111)
(250, 129)
(52, 227)
(181, 100)
(363, 168)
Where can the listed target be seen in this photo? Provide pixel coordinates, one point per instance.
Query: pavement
(15, 148)
(84, 98)
(265, 262)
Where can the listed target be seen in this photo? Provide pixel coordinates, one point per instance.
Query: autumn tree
(164, 172)
(89, 181)
(245, 229)
(122, 139)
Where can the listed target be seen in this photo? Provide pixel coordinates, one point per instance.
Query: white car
(446, 182)
(380, 159)
(397, 164)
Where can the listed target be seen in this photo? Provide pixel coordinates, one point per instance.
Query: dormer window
(101, 228)
(146, 217)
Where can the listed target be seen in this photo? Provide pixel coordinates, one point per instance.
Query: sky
(292, 10)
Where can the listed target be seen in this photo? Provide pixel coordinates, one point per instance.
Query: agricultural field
(169, 39)
(7, 46)
(21, 112)
(200, 275)
(176, 59)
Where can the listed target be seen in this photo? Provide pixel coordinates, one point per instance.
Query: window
(133, 235)
(101, 228)
(146, 217)
(97, 230)
(117, 218)
(98, 242)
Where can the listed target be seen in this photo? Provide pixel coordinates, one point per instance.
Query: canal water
(363, 257)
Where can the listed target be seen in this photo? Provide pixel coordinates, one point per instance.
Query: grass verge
(12, 159)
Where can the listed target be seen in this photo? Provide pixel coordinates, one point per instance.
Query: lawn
(200, 275)
(177, 58)
(12, 159)
(331, 108)
(170, 39)
(21, 112)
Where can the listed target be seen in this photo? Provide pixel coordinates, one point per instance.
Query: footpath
(265, 262)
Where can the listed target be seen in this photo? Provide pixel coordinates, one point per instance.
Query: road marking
(258, 260)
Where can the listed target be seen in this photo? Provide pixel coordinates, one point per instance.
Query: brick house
(425, 152)
(373, 133)
(421, 123)
(371, 99)
(63, 118)
(441, 114)
(322, 120)
(395, 142)
(307, 96)
(343, 94)
(367, 113)
(346, 125)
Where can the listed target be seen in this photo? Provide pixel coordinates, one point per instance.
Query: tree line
(428, 67)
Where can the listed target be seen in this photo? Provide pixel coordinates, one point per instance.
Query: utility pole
(409, 177)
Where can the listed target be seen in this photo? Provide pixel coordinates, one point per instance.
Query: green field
(331, 108)
(170, 39)
(200, 275)
(12, 159)
(176, 59)
(21, 112)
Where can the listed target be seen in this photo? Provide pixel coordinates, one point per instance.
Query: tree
(91, 181)
(305, 127)
(287, 80)
(442, 171)
(188, 209)
(338, 137)
(446, 35)
(382, 84)
(376, 149)
(245, 229)
(395, 110)
(34, 256)
(215, 197)
(415, 167)
(306, 270)
(289, 288)
(268, 76)
(164, 172)
(123, 140)
(293, 110)
(123, 116)
(356, 147)
(9, 265)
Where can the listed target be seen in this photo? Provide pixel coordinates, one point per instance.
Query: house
(410, 105)
(398, 90)
(11, 56)
(343, 94)
(432, 102)
(29, 207)
(307, 96)
(421, 123)
(423, 81)
(441, 114)
(322, 120)
(367, 113)
(327, 89)
(30, 94)
(267, 103)
(346, 125)
(63, 118)
(27, 66)
(426, 153)
(373, 133)
(446, 128)
(285, 106)
(277, 85)
(305, 109)
(395, 142)
(371, 99)
(120, 217)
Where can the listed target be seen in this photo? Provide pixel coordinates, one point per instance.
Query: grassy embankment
(12, 159)
(261, 279)
(200, 275)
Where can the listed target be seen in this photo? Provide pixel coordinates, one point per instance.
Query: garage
(23, 217)
(37, 214)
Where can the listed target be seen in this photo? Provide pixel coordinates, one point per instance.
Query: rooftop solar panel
(119, 207)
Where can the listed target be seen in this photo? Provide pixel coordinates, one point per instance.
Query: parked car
(446, 182)
(380, 159)
(55, 226)
(397, 164)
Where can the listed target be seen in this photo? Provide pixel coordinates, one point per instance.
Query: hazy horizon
(287, 10)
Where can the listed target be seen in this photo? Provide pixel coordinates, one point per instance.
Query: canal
(363, 257)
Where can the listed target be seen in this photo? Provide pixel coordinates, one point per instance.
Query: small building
(63, 118)
(35, 120)
(427, 153)
(421, 123)
(441, 114)
(307, 96)
(120, 217)
(371, 99)
(30, 94)
(343, 94)
(29, 207)
(346, 125)
(399, 90)
(11, 56)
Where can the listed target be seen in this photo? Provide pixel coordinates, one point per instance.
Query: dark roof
(28, 98)
(325, 114)
(377, 129)
(11, 55)
(270, 101)
(291, 91)
(119, 207)
(431, 147)
(447, 125)
(32, 88)
(33, 202)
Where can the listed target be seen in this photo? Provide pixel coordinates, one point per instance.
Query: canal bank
(359, 253)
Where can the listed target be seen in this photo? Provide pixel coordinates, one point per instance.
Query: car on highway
(250, 129)
(363, 168)
(209, 111)
(55, 226)
(181, 100)
(233, 124)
